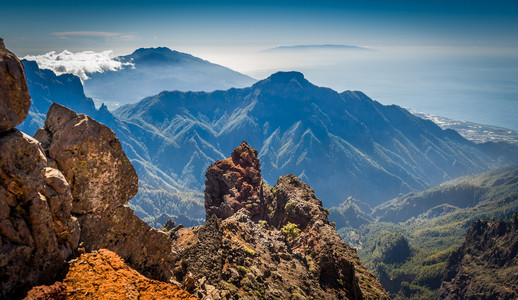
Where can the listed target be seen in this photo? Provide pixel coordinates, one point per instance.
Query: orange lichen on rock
(104, 275)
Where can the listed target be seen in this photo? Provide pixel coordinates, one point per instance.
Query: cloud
(68, 34)
(79, 64)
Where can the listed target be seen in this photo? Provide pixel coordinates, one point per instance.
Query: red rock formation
(235, 183)
(266, 242)
(104, 275)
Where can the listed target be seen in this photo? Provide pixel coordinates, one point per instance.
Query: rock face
(266, 242)
(104, 275)
(102, 180)
(91, 158)
(37, 230)
(235, 183)
(14, 95)
(485, 266)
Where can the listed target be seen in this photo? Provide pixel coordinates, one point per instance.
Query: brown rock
(144, 248)
(485, 266)
(37, 231)
(246, 252)
(235, 183)
(14, 95)
(102, 180)
(90, 156)
(56, 291)
(104, 275)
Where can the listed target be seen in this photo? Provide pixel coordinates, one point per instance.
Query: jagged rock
(90, 156)
(104, 275)
(102, 181)
(248, 251)
(235, 183)
(485, 266)
(37, 230)
(15, 100)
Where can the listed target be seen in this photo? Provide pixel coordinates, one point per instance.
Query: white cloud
(79, 63)
(86, 33)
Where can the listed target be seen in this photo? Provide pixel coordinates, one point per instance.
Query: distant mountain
(342, 144)
(316, 47)
(157, 69)
(433, 224)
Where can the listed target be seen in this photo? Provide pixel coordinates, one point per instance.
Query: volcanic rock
(104, 275)
(280, 245)
(15, 100)
(90, 156)
(37, 230)
(103, 180)
(235, 183)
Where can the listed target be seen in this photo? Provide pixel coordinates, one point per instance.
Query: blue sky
(32, 27)
(455, 58)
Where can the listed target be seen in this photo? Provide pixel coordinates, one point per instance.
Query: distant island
(316, 47)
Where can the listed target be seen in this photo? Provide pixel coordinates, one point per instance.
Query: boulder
(37, 231)
(103, 180)
(14, 95)
(90, 156)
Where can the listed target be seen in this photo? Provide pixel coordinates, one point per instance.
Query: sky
(456, 58)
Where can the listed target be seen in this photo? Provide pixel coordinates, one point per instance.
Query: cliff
(486, 265)
(266, 242)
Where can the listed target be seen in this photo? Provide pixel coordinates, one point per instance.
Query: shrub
(291, 230)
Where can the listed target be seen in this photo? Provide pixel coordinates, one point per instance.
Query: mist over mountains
(148, 71)
(343, 144)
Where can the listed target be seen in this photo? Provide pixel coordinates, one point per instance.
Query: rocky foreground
(65, 231)
(266, 242)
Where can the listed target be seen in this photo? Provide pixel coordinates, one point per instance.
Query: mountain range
(409, 240)
(343, 144)
(148, 71)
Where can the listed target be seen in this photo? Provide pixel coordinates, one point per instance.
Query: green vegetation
(408, 251)
(290, 206)
(291, 231)
(242, 270)
(250, 252)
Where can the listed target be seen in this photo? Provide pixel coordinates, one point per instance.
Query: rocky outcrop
(266, 242)
(14, 95)
(90, 156)
(485, 266)
(104, 275)
(37, 231)
(103, 180)
(235, 183)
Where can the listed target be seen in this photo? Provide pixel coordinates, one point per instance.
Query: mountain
(484, 267)
(153, 70)
(66, 232)
(343, 144)
(266, 242)
(422, 229)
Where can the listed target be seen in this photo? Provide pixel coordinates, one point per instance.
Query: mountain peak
(158, 55)
(290, 79)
